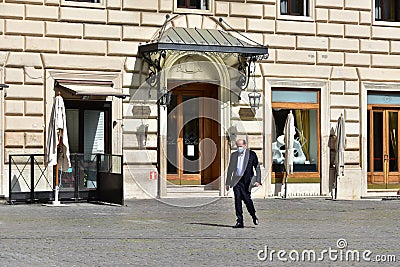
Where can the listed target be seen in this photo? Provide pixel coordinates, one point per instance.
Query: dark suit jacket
(250, 163)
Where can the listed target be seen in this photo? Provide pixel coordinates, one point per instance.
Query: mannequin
(278, 152)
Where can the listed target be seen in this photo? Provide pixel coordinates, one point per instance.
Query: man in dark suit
(240, 176)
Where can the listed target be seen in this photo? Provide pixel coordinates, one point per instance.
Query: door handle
(386, 157)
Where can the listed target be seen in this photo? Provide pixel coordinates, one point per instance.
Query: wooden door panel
(393, 178)
(377, 147)
(174, 179)
(207, 129)
(378, 178)
(210, 152)
(384, 150)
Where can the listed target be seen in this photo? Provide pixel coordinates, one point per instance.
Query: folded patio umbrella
(289, 132)
(57, 141)
(340, 146)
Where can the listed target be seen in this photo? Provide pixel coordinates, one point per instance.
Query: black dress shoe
(255, 220)
(238, 225)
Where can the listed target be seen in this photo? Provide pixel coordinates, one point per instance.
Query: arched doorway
(193, 136)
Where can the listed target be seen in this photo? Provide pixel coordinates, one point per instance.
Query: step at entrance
(180, 191)
(379, 193)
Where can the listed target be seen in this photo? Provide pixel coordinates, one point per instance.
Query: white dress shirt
(240, 167)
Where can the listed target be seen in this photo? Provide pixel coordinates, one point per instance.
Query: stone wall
(340, 43)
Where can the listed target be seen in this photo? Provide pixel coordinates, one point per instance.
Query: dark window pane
(191, 138)
(194, 4)
(393, 137)
(172, 137)
(368, 141)
(295, 7)
(378, 141)
(387, 10)
(72, 116)
(182, 3)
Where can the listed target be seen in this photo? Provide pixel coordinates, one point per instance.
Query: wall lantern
(254, 100)
(254, 97)
(164, 97)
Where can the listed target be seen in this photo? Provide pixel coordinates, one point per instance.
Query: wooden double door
(383, 147)
(193, 139)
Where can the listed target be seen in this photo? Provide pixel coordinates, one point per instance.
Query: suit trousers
(242, 194)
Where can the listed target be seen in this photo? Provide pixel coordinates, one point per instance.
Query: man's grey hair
(243, 140)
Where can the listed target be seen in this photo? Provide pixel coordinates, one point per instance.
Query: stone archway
(189, 69)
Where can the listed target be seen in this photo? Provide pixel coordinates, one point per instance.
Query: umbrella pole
(335, 189)
(56, 201)
(56, 190)
(286, 180)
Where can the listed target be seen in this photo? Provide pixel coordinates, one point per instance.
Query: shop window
(387, 10)
(193, 4)
(305, 108)
(295, 7)
(89, 126)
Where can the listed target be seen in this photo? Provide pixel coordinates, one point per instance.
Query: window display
(305, 108)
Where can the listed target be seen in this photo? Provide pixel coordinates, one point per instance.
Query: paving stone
(155, 233)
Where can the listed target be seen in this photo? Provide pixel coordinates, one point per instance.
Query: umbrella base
(56, 204)
(283, 192)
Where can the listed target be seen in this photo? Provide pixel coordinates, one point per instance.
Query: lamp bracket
(154, 60)
(244, 68)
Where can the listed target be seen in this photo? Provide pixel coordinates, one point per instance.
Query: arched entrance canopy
(202, 40)
(179, 39)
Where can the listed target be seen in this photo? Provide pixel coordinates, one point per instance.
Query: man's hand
(227, 188)
(257, 184)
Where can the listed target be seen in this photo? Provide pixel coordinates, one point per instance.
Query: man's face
(240, 144)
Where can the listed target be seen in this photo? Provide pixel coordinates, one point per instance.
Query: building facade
(326, 58)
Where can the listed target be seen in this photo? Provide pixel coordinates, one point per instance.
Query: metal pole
(9, 180)
(56, 201)
(286, 181)
(336, 180)
(32, 179)
(77, 176)
(56, 188)
(122, 182)
(158, 139)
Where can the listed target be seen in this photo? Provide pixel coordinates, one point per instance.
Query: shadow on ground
(218, 225)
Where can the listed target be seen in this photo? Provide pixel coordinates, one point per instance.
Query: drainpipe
(2, 68)
(2, 88)
(158, 138)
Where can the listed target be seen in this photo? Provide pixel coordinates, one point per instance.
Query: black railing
(92, 177)
(23, 179)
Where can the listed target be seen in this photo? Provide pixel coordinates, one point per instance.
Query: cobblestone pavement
(151, 233)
